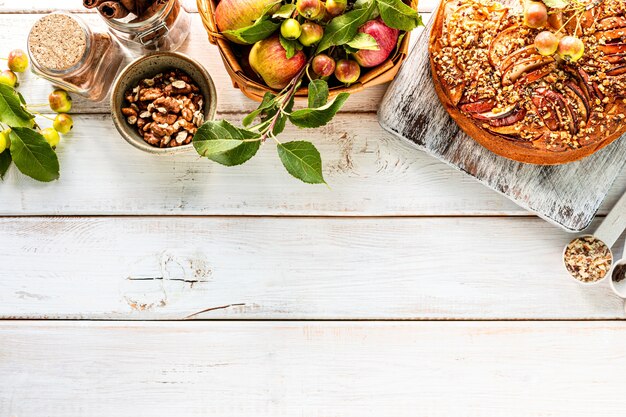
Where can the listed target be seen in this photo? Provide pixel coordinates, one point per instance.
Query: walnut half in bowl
(159, 101)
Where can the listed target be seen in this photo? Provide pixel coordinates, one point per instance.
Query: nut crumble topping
(588, 259)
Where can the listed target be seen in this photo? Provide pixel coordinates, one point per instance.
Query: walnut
(170, 89)
(150, 94)
(169, 119)
(181, 136)
(166, 109)
(129, 96)
(158, 130)
(170, 104)
(187, 114)
(129, 112)
(151, 139)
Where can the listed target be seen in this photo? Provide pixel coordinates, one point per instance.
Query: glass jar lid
(59, 43)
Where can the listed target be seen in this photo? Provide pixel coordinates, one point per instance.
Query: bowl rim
(210, 104)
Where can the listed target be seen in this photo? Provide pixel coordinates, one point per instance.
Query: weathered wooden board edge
(390, 130)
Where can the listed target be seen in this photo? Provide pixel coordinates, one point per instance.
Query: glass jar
(64, 51)
(164, 28)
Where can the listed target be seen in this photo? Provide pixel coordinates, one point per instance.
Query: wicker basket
(254, 88)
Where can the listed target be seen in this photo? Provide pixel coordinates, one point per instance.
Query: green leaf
(5, 162)
(557, 4)
(285, 11)
(260, 30)
(11, 111)
(364, 41)
(224, 143)
(343, 28)
(291, 46)
(269, 101)
(318, 93)
(302, 160)
(398, 15)
(312, 118)
(32, 155)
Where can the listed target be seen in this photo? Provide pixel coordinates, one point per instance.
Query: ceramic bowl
(147, 67)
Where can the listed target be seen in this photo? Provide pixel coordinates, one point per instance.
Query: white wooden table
(407, 289)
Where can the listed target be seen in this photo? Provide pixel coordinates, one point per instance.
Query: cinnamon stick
(92, 4)
(131, 5)
(142, 6)
(153, 7)
(137, 7)
(113, 10)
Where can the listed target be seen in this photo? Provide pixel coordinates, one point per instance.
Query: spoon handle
(614, 224)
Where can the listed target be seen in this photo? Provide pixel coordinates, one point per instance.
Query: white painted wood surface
(291, 268)
(370, 173)
(348, 369)
(399, 236)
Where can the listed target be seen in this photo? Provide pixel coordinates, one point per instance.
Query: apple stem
(40, 114)
(288, 95)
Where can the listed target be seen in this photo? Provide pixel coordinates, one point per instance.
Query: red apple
(336, 7)
(268, 58)
(347, 71)
(312, 33)
(237, 14)
(387, 39)
(323, 65)
(311, 9)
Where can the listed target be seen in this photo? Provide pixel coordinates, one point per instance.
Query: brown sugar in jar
(67, 53)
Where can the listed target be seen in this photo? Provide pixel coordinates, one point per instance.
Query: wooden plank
(291, 268)
(38, 6)
(345, 369)
(370, 173)
(230, 100)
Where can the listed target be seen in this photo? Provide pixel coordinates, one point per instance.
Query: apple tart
(523, 105)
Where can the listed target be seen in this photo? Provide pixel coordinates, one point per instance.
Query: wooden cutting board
(567, 195)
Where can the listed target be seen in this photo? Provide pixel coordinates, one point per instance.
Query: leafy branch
(26, 147)
(229, 145)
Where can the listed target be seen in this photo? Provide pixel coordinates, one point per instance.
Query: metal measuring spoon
(618, 283)
(607, 233)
